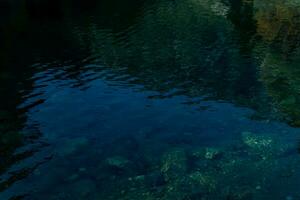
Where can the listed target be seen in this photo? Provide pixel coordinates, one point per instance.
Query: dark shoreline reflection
(144, 56)
(279, 69)
(26, 28)
(227, 52)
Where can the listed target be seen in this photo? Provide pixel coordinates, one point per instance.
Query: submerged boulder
(264, 145)
(174, 164)
(204, 180)
(72, 145)
(117, 162)
(212, 153)
(257, 142)
(209, 153)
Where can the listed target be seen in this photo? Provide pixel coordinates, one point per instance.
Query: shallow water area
(151, 100)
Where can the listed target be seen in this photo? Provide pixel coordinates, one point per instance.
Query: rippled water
(144, 100)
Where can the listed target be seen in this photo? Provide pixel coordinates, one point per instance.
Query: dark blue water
(149, 100)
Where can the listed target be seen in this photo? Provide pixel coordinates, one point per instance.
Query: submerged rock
(258, 144)
(265, 146)
(256, 141)
(174, 164)
(187, 188)
(204, 180)
(137, 194)
(212, 153)
(73, 177)
(243, 193)
(208, 153)
(72, 145)
(117, 162)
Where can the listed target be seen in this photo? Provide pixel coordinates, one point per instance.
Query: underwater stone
(139, 178)
(246, 195)
(184, 188)
(82, 169)
(117, 161)
(212, 153)
(72, 145)
(152, 180)
(256, 141)
(241, 193)
(258, 144)
(73, 177)
(174, 164)
(204, 180)
(198, 153)
(177, 189)
(265, 146)
(138, 194)
(208, 153)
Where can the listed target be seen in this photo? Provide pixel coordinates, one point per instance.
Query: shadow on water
(241, 52)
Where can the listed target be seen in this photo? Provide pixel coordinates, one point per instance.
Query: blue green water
(149, 100)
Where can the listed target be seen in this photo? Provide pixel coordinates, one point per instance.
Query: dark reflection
(19, 139)
(38, 31)
(164, 58)
(279, 68)
(38, 9)
(241, 15)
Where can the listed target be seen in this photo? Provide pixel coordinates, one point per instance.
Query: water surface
(163, 99)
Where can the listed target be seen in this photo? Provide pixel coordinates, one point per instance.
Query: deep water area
(149, 100)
